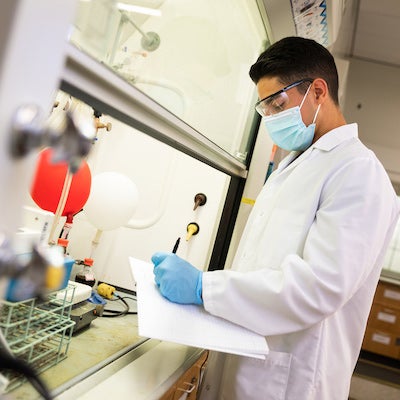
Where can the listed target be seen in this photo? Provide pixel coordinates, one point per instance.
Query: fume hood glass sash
(190, 57)
(85, 78)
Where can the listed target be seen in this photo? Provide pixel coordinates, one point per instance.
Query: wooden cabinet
(189, 382)
(382, 335)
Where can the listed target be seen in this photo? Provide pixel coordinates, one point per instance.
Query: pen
(176, 245)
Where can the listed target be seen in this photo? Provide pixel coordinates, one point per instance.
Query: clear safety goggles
(278, 101)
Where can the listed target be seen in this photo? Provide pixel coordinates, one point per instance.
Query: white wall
(373, 101)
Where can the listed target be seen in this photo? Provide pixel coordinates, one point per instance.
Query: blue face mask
(287, 129)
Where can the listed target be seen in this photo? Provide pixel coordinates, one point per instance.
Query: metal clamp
(31, 276)
(71, 144)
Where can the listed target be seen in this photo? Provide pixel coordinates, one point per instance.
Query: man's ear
(320, 90)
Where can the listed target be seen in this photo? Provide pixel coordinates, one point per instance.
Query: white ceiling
(377, 31)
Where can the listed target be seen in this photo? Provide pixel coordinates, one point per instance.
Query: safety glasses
(278, 101)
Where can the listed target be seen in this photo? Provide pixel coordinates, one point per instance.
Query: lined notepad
(190, 325)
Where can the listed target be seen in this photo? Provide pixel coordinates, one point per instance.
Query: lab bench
(110, 359)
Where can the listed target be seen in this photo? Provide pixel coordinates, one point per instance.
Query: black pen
(176, 245)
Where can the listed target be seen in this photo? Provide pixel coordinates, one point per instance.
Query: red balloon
(49, 180)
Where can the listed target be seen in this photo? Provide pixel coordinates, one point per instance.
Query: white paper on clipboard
(191, 325)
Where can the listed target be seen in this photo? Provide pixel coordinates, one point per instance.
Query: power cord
(108, 292)
(117, 313)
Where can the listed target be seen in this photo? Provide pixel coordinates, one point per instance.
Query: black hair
(294, 58)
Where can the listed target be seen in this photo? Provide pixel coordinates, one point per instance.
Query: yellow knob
(192, 229)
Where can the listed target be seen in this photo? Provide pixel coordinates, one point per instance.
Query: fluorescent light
(138, 9)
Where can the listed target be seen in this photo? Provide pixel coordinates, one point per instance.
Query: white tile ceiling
(377, 31)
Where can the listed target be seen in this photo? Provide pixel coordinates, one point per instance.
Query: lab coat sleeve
(355, 218)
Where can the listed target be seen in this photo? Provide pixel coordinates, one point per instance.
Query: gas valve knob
(98, 124)
(199, 200)
(192, 229)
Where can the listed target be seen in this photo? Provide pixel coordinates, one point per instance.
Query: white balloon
(112, 200)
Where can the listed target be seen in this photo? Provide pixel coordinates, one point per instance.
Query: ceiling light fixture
(139, 9)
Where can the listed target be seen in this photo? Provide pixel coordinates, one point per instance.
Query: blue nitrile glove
(177, 279)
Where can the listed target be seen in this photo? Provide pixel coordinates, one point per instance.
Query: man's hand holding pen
(178, 280)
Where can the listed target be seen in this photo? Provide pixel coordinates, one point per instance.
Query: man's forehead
(268, 85)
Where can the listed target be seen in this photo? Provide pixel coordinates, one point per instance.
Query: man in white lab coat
(311, 254)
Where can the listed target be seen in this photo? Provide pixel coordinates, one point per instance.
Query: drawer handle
(190, 387)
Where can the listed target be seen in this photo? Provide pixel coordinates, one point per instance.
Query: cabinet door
(383, 329)
(187, 386)
(170, 394)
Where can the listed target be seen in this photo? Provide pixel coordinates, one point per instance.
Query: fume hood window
(191, 57)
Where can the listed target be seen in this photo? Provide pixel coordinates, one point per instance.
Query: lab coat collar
(326, 142)
(336, 136)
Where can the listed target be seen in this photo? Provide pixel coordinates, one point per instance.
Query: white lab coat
(306, 271)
